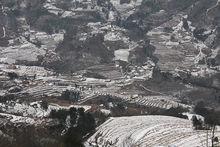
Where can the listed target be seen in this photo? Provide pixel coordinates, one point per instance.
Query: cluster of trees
(44, 104)
(154, 5)
(12, 75)
(80, 125)
(71, 95)
(211, 116)
(52, 24)
(29, 136)
(73, 127)
(211, 120)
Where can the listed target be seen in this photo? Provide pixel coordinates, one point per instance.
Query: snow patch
(122, 54)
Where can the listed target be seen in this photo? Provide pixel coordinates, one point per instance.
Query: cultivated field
(148, 131)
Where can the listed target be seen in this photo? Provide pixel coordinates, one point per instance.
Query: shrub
(197, 124)
(44, 105)
(12, 75)
(59, 114)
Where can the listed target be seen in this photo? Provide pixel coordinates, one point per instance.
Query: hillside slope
(149, 131)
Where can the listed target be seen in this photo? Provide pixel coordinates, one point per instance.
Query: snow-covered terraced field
(163, 102)
(25, 52)
(6, 118)
(26, 70)
(176, 49)
(34, 109)
(39, 91)
(157, 101)
(148, 131)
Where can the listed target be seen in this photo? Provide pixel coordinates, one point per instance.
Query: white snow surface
(150, 131)
(122, 54)
(34, 109)
(25, 52)
(105, 111)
